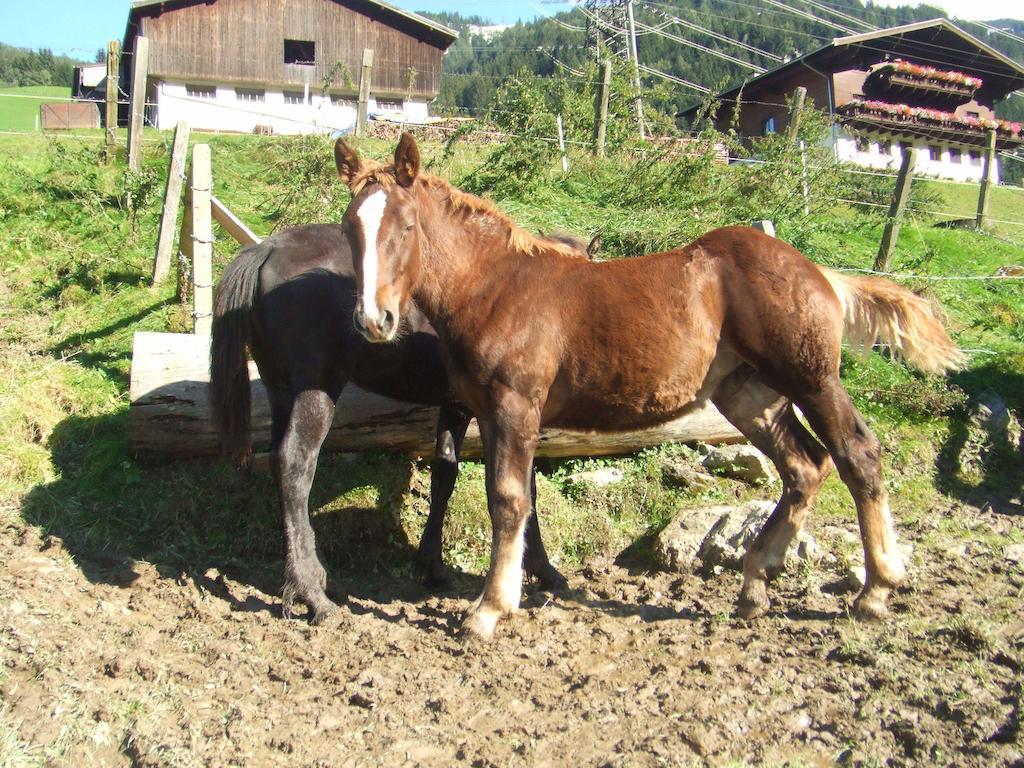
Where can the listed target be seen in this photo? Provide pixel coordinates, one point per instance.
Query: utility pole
(631, 41)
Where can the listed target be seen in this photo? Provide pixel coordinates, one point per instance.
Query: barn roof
(939, 42)
(445, 31)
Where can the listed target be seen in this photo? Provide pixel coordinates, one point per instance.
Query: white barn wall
(226, 112)
(943, 168)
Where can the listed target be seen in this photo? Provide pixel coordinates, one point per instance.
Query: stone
(598, 478)
(1014, 554)
(714, 539)
(684, 475)
(741, 462)
(677, 546)
(856, 577)
(992, 415)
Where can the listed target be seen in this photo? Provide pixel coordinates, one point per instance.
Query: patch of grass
(19, 107)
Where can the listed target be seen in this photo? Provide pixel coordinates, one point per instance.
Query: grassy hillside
(19, 114)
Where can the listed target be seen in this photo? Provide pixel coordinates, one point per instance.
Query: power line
(704, 48)
(711, 33)
(673, 78)
(845, 17)
(809, 16)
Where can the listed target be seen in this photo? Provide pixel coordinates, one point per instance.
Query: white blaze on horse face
(370, 214)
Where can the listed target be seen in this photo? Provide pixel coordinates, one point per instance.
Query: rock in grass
(598, 478)
(1014, 554)
(682, 474)
(742, 462)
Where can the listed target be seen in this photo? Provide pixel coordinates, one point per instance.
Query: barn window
(250, 94)
(955, 155)
(294, 97)
(299, 52)
(934, 153)
(768, 125)
(389, 105)
(201, 91)
(975, 157)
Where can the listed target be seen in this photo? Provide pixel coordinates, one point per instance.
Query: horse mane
(457, 201)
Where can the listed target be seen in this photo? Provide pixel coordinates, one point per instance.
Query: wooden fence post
(796, 112)
(894, 219)
(185, 243)
(804, 185)
(140, 76)
(987, 172)
(113, 75)
(172, 198)
(202, 240)
(561, 145)
(601, 123)
(364, 91)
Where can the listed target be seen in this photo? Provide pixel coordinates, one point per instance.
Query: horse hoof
(437, 581)
(479, 625)
(752, 602)
(868, 607)
(321, 613)
(552, 581)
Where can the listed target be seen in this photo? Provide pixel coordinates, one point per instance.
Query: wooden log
(232, 224)
(169, 414)
(172, 200)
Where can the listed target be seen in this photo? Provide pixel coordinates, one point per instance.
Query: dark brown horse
(290, 300)
(532, 338)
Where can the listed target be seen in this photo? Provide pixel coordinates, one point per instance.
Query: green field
(18, 113)
(1006, 206)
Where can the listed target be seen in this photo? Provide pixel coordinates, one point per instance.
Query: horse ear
(594, 247)
(407, 160)
(347, 161)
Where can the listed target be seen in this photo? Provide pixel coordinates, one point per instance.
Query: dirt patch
(147, 665)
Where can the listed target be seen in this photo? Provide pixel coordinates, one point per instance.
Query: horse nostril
(357, 318)
(389, 321)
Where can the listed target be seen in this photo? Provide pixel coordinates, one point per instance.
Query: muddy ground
(109, 662)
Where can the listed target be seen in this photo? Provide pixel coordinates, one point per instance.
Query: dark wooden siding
(243, 41)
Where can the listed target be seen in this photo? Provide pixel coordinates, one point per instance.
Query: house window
(905, 147)
(294, 97)
(299, 52)
(885, 148)
(250, 94)
(975, 157)
(975, 115)
(389, 105)
(934, 153)
(955, 155)
(768, 125)
(863, 145)
(201, 91)
(342, 101)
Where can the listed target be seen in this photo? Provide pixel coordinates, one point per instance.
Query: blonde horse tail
(876, 310)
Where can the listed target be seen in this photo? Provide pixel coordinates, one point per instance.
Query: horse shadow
(201, 521)
(980, 464)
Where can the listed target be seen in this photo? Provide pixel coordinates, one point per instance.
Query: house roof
(938, 42)
(414, 17)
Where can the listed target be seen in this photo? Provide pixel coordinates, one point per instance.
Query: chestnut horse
(532, 338)
(290, 300)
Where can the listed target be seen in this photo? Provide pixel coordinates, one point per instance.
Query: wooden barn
(927, 85)
(290, 66)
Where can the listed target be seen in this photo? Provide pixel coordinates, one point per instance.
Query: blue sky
(78, 28)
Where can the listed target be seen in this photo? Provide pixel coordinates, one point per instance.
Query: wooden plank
(232, 224)
(202, 240)
(988, 171)
(894, 220)
(137, 116)
(365, 74)
(169, 414)
(172, 199)
(113, 74)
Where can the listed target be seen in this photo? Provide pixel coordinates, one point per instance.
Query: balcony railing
(922, 84)
(946, 126)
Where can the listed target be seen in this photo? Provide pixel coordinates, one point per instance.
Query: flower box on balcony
(922, 83)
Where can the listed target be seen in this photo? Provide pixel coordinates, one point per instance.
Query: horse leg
(294, 465)
(767, 419)
(509, 440)
(535, 558)
(857, 455)
(452, 423)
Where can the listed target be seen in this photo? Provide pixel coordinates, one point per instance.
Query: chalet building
(283, 66)
(927, 85)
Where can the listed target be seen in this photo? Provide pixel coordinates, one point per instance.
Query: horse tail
(875, 310)
(230, 396)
